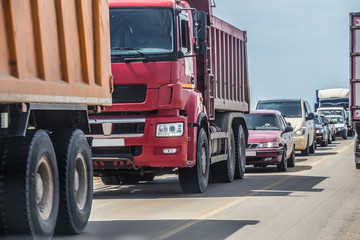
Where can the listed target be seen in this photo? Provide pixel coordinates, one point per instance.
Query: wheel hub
(44, 187)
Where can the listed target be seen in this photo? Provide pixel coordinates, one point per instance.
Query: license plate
(250, 153)
(118, 142)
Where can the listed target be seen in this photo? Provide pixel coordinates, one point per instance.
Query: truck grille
(119, 128)
(129, 94)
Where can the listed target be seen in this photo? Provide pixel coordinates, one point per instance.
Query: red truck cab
(161, 101)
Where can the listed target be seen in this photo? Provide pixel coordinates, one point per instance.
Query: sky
(294, 46)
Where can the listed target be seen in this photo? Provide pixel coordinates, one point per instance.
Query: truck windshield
(331, 112)
(288, 109)
(137, 32)
(262, 122)
(337, 120)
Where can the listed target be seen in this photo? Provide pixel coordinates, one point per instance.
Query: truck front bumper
(149, 150)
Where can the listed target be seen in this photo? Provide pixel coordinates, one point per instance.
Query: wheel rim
(80, 181)
(203, 161)
(44, 188)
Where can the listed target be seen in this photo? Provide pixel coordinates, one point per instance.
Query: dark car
(322, 134)
(270, 141)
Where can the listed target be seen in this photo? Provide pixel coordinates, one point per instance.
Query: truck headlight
(268, 145)
(170, 129)
(299, 132)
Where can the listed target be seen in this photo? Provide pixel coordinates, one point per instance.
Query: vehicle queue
(278, 128)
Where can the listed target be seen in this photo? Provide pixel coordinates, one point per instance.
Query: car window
(317, 120)
(290, 109)
(283, 122)
(262, 121)
(323, 119)
(337, 120)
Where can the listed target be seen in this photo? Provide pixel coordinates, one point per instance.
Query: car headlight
(170, 129)
(299, 132)
(268, 145)
(340, 128)
(320, 131)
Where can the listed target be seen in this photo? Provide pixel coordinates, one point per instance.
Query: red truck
(180, 94)
(355, 80)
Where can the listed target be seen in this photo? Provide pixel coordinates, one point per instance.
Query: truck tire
(147, 177)
(2, 147)
(225, 171)
(29, 177)
(282, 166)
(240, 142)
(196, 179)
(76, 180)
(130, 179)
(111, 180)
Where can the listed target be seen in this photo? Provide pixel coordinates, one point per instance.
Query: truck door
(187, 63)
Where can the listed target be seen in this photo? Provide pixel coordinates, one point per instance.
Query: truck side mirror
(200, 48)
(200, 23)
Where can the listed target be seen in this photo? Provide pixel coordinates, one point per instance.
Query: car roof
(280, 100)
(265, 111)
(325, 108)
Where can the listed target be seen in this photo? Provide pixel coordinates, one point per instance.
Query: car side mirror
(289, 129)
(311, 116)
(288, 124)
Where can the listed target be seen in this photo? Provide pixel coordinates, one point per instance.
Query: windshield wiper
(146, 57)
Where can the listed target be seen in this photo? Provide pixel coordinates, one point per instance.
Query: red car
(270, 140)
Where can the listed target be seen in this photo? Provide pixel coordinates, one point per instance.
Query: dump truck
(180, 94)
(55, 67)
(355, 81)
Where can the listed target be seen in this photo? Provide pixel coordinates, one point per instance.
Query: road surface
(318, 199)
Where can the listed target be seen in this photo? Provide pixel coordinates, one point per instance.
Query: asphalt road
(318, 199)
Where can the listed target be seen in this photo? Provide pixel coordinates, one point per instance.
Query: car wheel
(306, 151)
(282, 166)
(333, 138)
(291, 160)
(312, 147)
(345, 136)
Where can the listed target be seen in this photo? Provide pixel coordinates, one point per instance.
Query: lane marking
(329, 156)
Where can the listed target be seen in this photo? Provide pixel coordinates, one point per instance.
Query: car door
(287, 136)
(309, 123)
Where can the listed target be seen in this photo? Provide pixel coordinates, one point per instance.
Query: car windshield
(139, 31)
(262, 122)
(323, 119)
(337, 120)
(317, 120)
(291, 109)
(330, 112)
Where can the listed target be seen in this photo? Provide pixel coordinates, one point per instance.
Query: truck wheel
(76, 180)
(30, 179)
(312, 147)
(282, 166)
(306, 151)
(291, 160)
(147, 178)
(196, 179)
(240, 152)
(225, 171)
(357, 165)
(130, 179)
(111, 180)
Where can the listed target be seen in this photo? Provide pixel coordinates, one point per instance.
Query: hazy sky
(294, 46)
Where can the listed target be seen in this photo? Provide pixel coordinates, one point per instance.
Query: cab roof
(142, 3)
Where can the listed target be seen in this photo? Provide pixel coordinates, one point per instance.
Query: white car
(340, 125)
